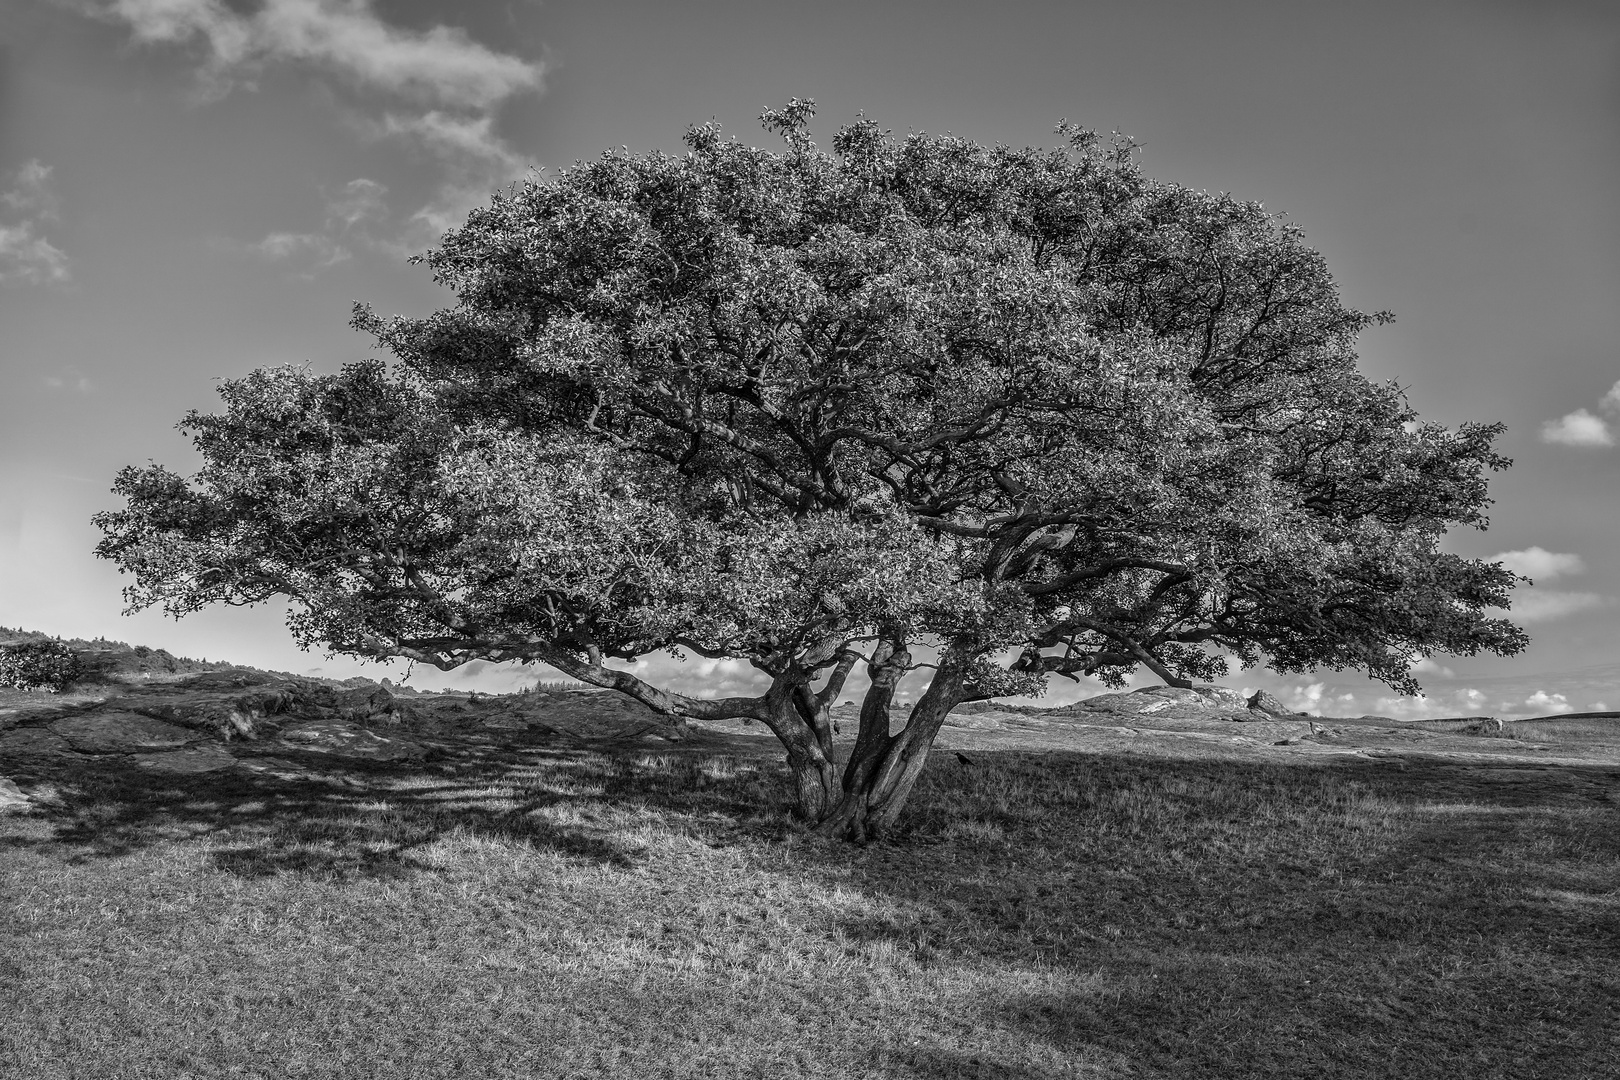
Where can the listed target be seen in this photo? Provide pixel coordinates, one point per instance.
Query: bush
(39, 665)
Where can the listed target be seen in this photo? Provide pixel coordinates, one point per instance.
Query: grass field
(575, 913)
(1566, 732)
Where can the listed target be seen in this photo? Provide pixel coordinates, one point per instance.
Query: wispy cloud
(1427, 665)
(436, 89)
(1541, 701)
(313, 251)
(1466, 701)
(358, 205)
(30, 194)
(1540, 564)
(1531, 604)
(441, 66)
(351, 215)
(1534, 603)
(473, 158)
(70, 380)
(26, 256)
(1584, 427)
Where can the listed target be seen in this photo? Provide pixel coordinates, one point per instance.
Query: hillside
(164, 713)
(212, 871)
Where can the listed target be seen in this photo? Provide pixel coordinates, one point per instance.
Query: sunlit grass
(585, 914)
(1566, 732)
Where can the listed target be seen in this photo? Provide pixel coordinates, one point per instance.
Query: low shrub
(39, 665)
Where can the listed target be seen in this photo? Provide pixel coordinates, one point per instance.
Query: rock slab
(200, 759)
(347, 740)
(122, 733)
(12, 797)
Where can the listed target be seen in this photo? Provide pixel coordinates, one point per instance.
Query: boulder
(1223, 697)
(1261, 701)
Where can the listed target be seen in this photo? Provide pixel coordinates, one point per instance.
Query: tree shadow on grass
(1420, 917)
(317, 815)
(1190, 917)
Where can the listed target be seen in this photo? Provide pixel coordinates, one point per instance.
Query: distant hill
(104, 659)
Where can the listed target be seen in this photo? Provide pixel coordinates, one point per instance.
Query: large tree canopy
(812, 409)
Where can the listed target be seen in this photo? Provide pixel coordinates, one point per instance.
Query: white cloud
(26, 256)
(1579, 428)
(1549, 703)
(1531, 604)
(1306, 699)
(315, 250)
(70, 381)
(468, 142)
(1465, 702)
(31, 195)
(1428, 666)
(474, 159)
(436, 89)
(349, 217)
(1540, 564)
(440, 66)
(1413, 707)
(29, 258)
(1611, 400)
(357, 204)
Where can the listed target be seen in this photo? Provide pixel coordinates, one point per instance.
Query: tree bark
(809, 750)
(884, 768)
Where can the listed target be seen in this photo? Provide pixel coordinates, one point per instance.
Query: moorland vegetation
(520, 886)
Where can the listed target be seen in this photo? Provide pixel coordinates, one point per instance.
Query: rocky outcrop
(240, 704)
(348, 740)
(234, 718)
(1263, 702)
(1168, 703)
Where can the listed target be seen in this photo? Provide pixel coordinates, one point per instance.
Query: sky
(192, 189)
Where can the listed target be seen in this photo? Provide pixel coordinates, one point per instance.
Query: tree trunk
(884, 768)
(809, 752)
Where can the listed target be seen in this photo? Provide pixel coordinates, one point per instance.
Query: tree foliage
(39, 665)
(813, 409)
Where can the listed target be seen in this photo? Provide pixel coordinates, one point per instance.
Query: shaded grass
(573, 913)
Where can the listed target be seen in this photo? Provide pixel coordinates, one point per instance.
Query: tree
(812, 409)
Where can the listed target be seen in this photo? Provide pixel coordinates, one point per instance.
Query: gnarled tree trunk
(883, 768)
(805, 731)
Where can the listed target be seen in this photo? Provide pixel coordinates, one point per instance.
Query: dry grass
(1573, 732)
(561, 914)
